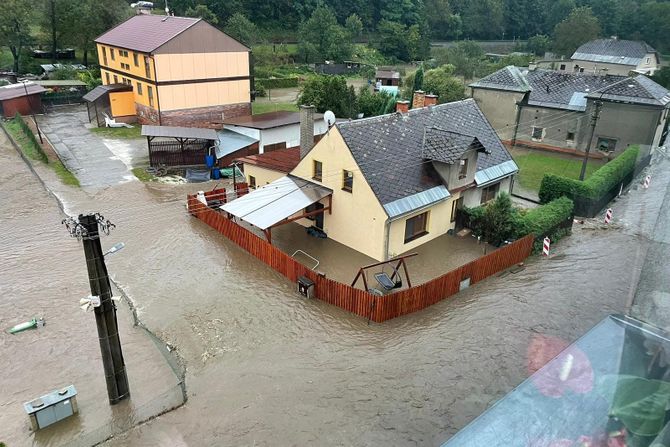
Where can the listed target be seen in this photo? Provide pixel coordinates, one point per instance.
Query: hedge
(277, 82)
(601, 181)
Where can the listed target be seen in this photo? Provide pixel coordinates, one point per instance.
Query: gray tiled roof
(640, 90)
(557, 89)
(510, 78)
(388, 148)
(445, 146)
(613, 51)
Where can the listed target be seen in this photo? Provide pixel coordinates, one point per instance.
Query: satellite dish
(329, 118)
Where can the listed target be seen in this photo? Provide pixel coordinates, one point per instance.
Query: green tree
(354, 26)
(441, 82)
(323, 38)
(483, 19)
(498, 219)
(240, 28)
(558, 10)
(579, 27)
(538, 44)
(402, 42)
(418, 79)
(655, 17)
(15, 21)
(374, 104)
(662, 77)
(202, 12)
(329, 93)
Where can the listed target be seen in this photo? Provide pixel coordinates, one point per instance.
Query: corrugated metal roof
(490, 175)
(103, 90)
(387, 74)
(578, 100)
(179, 132)
(18, 90)
(230, 142)
(61, 83)
(414, 202)
(268, 120)
(277, 201)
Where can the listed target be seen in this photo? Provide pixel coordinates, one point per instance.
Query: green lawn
(118, 132)
(264, 107)
(34, 152)
(533, 166)
(142, 175)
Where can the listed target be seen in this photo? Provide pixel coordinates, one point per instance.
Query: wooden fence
(360, 302)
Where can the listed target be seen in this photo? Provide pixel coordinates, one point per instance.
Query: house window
(317, 170)
(648, 60)
(116, 79)
(136, 60)
(562, 68)
(252, 182)
(347, 181)
(104, 55)
(416, 226)
(454, 209)
(570, 137)
(150, 93)
(107, 78)
(463, 169)
(490, 193)
(111, 53)
(124, 53)
(538, 133)
(139, 88)
(147, 68)
(606, 144)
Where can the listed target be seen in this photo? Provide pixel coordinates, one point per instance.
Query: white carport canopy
(277, 201)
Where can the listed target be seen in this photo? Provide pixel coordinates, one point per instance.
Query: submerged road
(266, 367)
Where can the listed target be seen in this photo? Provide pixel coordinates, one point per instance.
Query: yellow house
(183, 71)
(387, 184)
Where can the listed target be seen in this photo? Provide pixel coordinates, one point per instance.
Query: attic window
(463, 169)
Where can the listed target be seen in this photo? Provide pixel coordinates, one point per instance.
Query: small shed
(24, 98)
(179, 146)
(100, 101)
(388, 77)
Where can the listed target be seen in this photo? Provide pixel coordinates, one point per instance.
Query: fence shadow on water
(361, 302)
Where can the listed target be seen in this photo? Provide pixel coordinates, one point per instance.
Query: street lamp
(114, 249)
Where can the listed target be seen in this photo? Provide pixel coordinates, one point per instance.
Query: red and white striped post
(608, 215)
(647, 181)
(545, 246)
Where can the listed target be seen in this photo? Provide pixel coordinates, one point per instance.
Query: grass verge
(533, 166)
(142, 175)
(31, 148)
(265, 107)
(118, 132)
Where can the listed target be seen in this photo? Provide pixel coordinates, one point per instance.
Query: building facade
(615, 57)
(184, 72)
(551, 110)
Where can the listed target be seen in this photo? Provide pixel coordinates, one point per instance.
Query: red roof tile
(282, 160)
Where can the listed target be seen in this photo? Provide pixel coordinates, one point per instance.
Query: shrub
(497, 221)
(545, 221)
(35, 148)
(601, 181)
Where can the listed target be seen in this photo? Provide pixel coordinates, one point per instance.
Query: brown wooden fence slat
(357, 301)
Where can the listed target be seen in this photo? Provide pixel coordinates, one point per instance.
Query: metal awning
(194, 133)
(230, 142)
(277, 201)
(103, 90)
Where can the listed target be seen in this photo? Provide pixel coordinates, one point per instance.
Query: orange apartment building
(183, 72)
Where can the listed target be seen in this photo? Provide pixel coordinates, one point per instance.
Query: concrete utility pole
(594, 120)
(105, 314)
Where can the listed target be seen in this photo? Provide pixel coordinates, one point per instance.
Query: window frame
(104, 55)
(316, 177)
(111, 53)
(150, 95)
(136, 59)
(534, 130)
(116, 79)
(462, 168)
(614, 141)
(347, 176)
(147, 67)
(252, 182)
(562, 67)
(413, 235)
(567, 137)
(486, 191)
(139, 89)
(107, 78)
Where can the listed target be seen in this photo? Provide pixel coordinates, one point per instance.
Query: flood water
(267, 367)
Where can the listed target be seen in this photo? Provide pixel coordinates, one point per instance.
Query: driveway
(83, 153)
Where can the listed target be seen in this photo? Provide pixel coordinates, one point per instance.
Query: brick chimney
(306, 130)
(431, 100)
(402, 106)
(419, 99)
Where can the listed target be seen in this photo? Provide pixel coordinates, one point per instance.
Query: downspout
(516, 123)
(158, 101)
(387, 235)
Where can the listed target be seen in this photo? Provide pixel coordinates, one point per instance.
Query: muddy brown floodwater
(267, 367)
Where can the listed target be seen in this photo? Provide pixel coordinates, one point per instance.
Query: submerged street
(263, 365)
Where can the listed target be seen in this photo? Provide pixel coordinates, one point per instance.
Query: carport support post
(105, 314)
